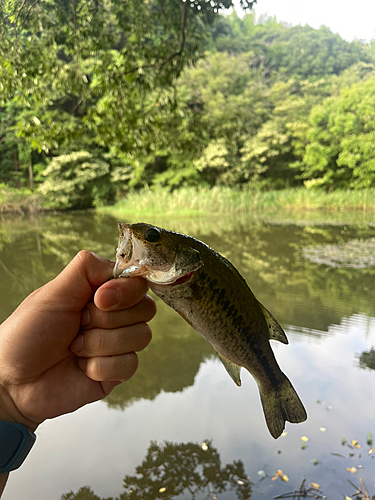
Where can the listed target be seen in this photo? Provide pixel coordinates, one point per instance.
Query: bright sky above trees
(349, 19)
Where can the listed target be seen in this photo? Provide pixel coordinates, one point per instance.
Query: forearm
(3, 480)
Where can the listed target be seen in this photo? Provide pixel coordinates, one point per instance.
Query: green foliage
(77, 180)
(170, 93)
(299, 51)
(340, 152)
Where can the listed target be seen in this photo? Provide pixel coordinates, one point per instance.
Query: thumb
(40, 330)
(77, 283)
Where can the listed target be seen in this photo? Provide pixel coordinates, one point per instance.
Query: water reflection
(307, 298)
(170, 364)
(367, 359)
(186, 470)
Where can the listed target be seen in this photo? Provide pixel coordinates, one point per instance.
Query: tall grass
(222, 200)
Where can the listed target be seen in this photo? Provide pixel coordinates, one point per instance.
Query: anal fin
(276, 332)
(232, 369)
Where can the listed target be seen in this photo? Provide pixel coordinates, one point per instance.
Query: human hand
(72, 341)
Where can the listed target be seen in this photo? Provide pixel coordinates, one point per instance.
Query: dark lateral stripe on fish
(263, 359)
(218, 296)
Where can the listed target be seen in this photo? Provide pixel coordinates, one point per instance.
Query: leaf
(315, 485)
(162, 490)
(369, 439)
(352, 470)
(204, 446)
(355, 444)
(304, 439)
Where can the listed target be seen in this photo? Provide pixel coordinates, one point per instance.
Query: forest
(101, 98)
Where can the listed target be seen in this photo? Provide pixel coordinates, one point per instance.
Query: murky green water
(151, 429)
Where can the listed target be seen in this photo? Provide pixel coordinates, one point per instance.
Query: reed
(223, 200)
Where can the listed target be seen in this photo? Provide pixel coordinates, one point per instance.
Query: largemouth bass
(212, 296)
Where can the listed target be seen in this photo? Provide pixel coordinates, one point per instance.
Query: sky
(351, 19)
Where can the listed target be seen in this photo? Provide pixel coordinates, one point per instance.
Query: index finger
(120, 293)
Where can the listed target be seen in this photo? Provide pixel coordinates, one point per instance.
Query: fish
(212, 296)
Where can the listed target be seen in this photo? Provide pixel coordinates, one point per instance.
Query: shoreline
(195, 202)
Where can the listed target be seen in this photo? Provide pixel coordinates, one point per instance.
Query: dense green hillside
(98, 98)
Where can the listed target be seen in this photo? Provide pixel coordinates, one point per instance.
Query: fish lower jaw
(165, 286)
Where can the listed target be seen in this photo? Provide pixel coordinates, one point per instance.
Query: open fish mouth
(155, 263)
(165, 278)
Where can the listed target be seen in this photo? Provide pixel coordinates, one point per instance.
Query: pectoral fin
(232, 369)
(276, 332)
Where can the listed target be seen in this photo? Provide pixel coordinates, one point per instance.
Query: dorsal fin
(232, 369)
(276, 332)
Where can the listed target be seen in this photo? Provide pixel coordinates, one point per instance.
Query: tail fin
(281, 405)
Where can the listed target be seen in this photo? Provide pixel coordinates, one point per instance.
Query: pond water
(181, 428)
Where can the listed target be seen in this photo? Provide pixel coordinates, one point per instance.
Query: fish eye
(152, 235)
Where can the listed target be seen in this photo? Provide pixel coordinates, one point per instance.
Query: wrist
(10, 413)
(16, 442)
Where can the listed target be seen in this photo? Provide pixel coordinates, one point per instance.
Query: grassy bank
(18, 201)
(221, 200)
(215, 201)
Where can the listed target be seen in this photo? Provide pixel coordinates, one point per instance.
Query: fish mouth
(183, 279)
(133, 259)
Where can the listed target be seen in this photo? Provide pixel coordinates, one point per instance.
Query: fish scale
(212, 296)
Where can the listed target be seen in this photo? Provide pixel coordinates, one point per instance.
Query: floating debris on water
(311, 491)
(355, 254)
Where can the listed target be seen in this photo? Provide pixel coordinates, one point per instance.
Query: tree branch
(19, 12)
(175, 54)
(158, 66)
(28, 12)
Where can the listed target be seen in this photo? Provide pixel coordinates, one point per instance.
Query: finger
(51, 316)
(92, 317)
(121, 293)
(76, 284)
(99, 342)
(110, 368)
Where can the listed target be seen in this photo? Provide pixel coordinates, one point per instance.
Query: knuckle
(83, 255)
(113, 368)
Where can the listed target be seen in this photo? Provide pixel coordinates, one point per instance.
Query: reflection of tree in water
(170, 363)
(367, 359)
(188, 470)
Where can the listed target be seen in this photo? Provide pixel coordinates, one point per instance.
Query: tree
(98, 72)
(341, 136)
(102, 68)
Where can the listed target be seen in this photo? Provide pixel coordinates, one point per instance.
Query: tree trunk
(31, 176)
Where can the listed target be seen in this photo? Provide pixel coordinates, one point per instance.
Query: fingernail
(85, 317)
(109, 298)
(77, 344)
(82, 363)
